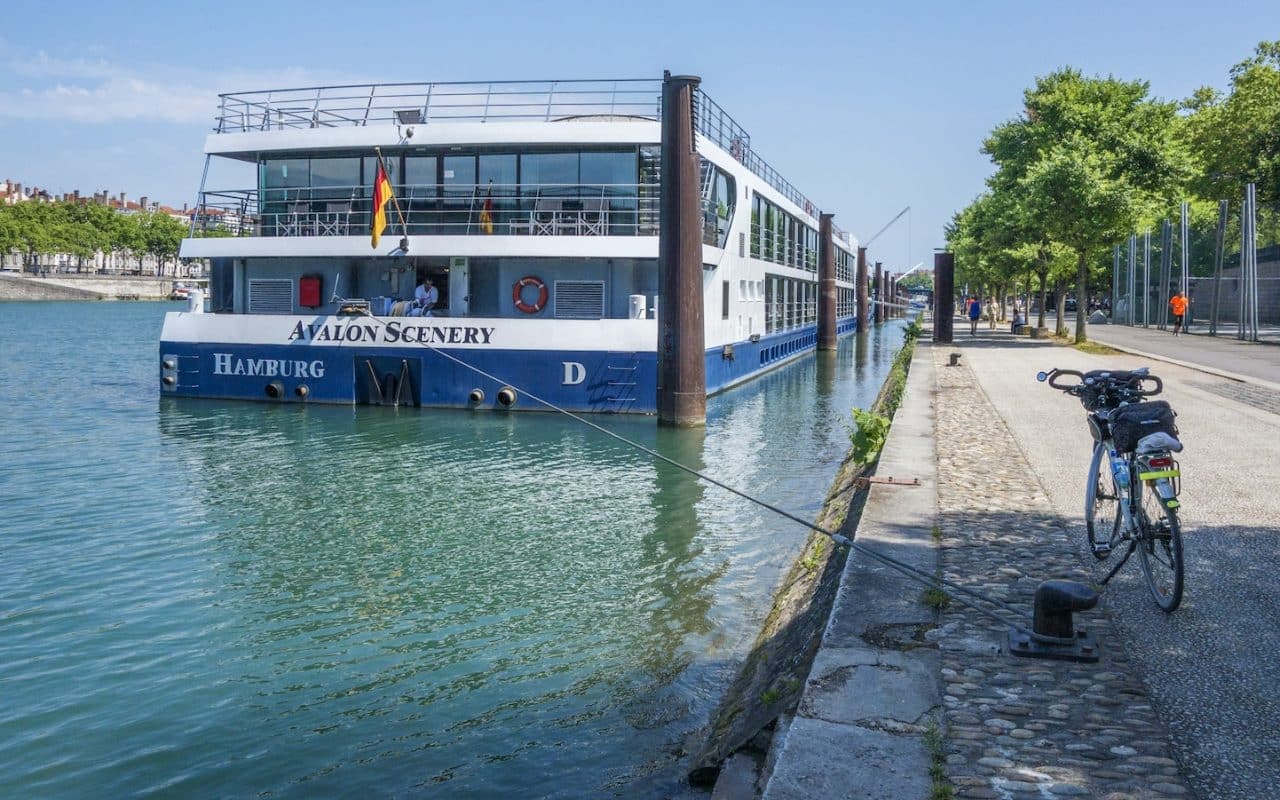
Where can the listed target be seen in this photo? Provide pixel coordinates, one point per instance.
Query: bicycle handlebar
(1133, 382)
(1053, 375)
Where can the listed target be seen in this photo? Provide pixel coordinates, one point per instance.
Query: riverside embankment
(19, 286)
(1175, 706)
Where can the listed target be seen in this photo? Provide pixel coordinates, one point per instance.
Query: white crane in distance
(889, 224)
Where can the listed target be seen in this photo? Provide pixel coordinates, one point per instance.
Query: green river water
(216, 599)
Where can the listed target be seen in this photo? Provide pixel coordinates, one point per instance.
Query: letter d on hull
(574, 373)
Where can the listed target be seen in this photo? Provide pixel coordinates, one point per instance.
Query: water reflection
(319, 600)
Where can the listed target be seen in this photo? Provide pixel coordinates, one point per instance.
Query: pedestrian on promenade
(992, 312)
(1178, 307)
(975, 312)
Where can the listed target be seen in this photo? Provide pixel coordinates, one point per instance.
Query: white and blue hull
(442, 362)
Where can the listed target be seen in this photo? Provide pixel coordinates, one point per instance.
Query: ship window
(344, 172)
(270, 296)
(286, 173)
(609, 168)
(371, 171)
(724, 301)
(579, 299)
(420, 173)
(549, 173)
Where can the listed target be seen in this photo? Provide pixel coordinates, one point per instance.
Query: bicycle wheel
(1160, 549)
(1101, 505)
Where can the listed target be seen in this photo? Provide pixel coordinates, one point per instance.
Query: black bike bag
(1132, 422)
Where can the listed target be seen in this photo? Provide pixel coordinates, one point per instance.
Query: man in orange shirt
(1178, 306)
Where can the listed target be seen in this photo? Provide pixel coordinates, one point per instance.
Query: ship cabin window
(445, 192)
(782, 238)
(724, 300)
(719, 194)
(789, 303)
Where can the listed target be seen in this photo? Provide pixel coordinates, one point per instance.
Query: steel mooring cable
(915, 573)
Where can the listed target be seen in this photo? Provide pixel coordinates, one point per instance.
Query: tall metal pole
(1166, 267)
(1146, 279)
(944, 276)
(1115, 284)
(826, 284)
(1133, 274)
(1218, 244)
(1253, 260)
(682, 380)
(864, 307)
(1243, 282)
(1185, 284)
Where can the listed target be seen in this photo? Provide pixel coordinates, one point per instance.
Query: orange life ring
(517, 294)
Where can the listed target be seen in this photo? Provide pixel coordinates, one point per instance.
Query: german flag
(381, 196)
(486, 212)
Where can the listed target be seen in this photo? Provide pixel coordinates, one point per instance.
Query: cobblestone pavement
(1211, 666)
(1256, 396)
(1021, 728)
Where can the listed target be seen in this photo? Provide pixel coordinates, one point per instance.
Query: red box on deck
(309, 291)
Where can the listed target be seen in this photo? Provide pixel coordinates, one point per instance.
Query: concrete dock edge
(873, 688)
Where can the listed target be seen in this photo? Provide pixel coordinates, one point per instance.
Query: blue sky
(865, 107)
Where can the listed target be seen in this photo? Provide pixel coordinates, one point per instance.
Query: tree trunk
(1082, 299)
(1060, 293)
(1044, 296)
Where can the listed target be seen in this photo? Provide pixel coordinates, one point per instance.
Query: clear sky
(865, 107)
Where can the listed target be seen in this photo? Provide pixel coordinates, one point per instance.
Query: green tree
(1236, 138)
(916, 281)
(161, 236)
(1091, 157)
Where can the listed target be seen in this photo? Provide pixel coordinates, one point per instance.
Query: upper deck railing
(426, 103)
(404, 104)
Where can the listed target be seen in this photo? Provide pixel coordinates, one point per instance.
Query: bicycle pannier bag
(1131, 423)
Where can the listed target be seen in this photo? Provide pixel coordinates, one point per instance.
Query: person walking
(993, 311)
(1178, 307)
(975, 313)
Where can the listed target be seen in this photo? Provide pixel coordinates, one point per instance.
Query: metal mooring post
(826, 284)
(944, 277)
(864, 306)
(1053, 632)
(682, 379)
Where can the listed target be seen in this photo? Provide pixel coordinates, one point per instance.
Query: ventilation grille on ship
(579, 300)
(270, 296)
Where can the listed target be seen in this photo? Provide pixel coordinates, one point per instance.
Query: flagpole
(395, 201)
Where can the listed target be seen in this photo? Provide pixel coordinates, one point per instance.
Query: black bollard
(1053, 632)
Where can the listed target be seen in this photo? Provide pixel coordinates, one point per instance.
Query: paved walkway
(1210, 668)
(1027, 727)
(1181, 705)
(1249, 361)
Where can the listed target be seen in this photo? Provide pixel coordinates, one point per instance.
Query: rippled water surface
(237, 599)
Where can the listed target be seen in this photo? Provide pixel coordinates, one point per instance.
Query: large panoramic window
(543, 174)
(780, 237)
(608, 168)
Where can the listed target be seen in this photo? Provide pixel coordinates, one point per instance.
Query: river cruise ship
(533, 211)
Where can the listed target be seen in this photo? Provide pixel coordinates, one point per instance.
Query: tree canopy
(82, 229)
(1091, 159)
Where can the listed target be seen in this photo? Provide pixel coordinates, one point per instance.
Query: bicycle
(1135, 499)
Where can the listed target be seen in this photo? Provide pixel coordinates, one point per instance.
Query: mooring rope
(915, 573)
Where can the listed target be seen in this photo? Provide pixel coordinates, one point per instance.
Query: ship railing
(716, 125)
(430, 209)
(772, 246)
(427, 103)
(409, 104)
